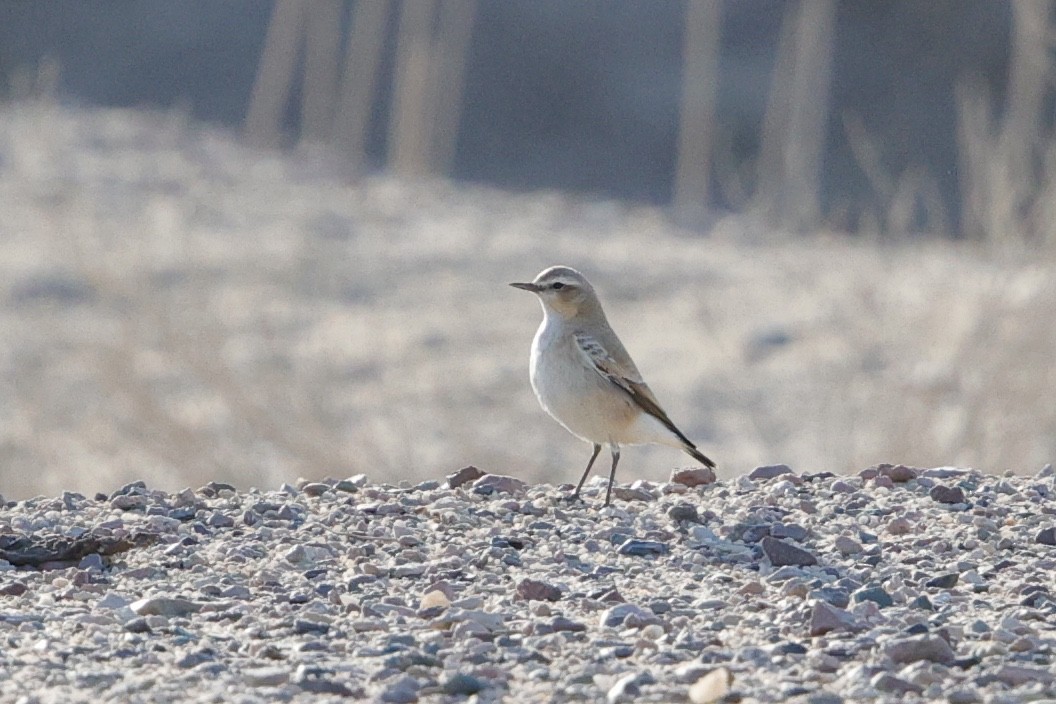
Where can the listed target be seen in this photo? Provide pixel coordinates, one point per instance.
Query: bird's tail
(699, 456)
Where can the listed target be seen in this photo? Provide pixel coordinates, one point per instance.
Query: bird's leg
(612, 475)
(575, 494)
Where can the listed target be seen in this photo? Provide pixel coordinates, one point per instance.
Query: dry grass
(179, 308)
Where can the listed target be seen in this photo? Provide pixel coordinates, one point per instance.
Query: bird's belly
(586, 404)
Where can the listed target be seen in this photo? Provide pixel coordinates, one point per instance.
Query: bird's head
(563, 290)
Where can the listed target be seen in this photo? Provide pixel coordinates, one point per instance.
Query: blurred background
(258, 240)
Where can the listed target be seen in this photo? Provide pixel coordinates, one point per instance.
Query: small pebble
(642, 548)
(162, 606)
(899, 526)
(695, 476)
(462, 685)
(536, 590)
(266, 676)
(711, 687)
(464, 476)
(877, 595)
(848, 546)
(944, 581)
(769, 471)
(499, 484)
(781, 553)
(1046, 536)
(825, 618)
(908, 650)
(947, 494)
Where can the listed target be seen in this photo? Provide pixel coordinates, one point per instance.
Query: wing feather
(626, 378)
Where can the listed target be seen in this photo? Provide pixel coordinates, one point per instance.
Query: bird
(585, 379)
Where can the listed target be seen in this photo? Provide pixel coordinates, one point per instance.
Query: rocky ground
(896, 583)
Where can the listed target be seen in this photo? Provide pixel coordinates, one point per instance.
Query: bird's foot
(573, 498)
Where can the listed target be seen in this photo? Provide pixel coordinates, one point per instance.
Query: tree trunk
(322, 52)
(700, 68)
(271, 89)
(414, 99)
(359, 83)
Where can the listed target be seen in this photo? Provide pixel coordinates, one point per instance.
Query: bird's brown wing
(626, 378)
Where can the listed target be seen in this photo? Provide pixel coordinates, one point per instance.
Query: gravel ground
(896, 583)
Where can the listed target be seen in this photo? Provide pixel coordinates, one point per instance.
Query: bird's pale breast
(579, 398)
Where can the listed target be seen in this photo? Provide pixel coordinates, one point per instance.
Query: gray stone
(220, 520)
(402, 691)
(962, 695)
(629, 615)
(769, 471)
(944, 581)
(690, 672)
(823, 698)
(1019, 675)
(304, 626)
(785, 573)
(898, 473)
(877, 595)
(947, 494)
(129, 502)
(499, 484)
(326, 685)
(164, 606)
(906, 650)
(1046, 536)
(781, 553)
(195, 658)
(14, 588)
(749, 532)
(643, 548)
(886, 682)
(832, 595)
(411, 570)
(684, 512)
(266, 676)
(460, 684)
(464, 476)
(137, 625)
(560, 624)
(315, 489)
(624, 493)
(825, 617)
(944, 472)
(629, 687)
(899, 525)
(711, 687)
(535, 590)
(847, 546)
(694, 476)
(789, 530)
(922, 602)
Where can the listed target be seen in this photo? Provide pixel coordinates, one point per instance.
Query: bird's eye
(558, 286)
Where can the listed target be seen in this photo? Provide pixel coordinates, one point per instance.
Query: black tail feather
(699, 456)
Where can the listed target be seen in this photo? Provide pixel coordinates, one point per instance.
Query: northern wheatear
(584, 378)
